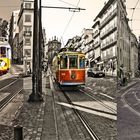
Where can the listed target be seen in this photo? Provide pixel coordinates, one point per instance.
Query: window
(73, 61)
(2, 52)
(27, 28)
(28, 52)
(81, 62)
(28, 5)
(63, 62)
(27, 18)
(27, 41)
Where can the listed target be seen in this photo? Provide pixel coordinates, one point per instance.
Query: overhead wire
(66, 27)
(133, 12)
(67, 3)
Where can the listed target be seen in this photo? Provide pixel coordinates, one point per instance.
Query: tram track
(9, 92)
(113, 111)
(80, 102)
(7, 82)
(8, 98)
(84, 122)
(81, 118)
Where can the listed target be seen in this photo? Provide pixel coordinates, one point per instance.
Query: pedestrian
(45, 68)
(28, 69)
(122, 75)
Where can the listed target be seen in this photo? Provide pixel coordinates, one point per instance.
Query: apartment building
(105, 37)
(14, 36)
(96, 62)
(25, 24)
(87, 46)
(83, 43)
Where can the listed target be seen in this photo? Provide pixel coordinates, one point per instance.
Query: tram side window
(2, 52)
(63, 62)
(81, 63)
(73, 62)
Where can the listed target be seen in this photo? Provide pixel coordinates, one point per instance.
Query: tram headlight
(73, 75)
(3, 63)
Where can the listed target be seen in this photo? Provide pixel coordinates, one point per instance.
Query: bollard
(18, 135)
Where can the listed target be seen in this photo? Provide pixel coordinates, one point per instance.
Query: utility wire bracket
(69, 8)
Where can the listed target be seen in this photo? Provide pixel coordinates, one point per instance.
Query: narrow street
(128, 120)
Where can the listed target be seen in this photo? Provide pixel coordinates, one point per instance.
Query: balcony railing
(108, 31)
(96, 44)
(108, 18)
(96, 33)
(108, 43)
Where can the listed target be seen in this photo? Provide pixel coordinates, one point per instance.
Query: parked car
(95, 72)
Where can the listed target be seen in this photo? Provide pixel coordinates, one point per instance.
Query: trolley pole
(36, 95)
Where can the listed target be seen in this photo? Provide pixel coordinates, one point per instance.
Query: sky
(135, 16)
(65, 24)
(6, 8)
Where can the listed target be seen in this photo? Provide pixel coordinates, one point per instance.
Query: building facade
(134, 55)
(25, 24)
(105, 38)
(14, 36)
(53, 48)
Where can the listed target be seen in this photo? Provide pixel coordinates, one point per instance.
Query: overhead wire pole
(35, 96)
(40, 48)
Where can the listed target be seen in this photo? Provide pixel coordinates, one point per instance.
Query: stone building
(114, 38)
(133, 55)
(105, 37)
(53, 48)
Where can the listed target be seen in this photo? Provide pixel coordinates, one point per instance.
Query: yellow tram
(69, 68)
(5, 57)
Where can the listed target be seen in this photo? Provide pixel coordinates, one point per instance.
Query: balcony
(108, 56)
(108, 18)
(96, 33)
(96, 44)
(109, 43)
(108, 31)
(88, 49)
(27, 33)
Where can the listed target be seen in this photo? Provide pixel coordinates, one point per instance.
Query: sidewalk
(38, 119)
(31, 116)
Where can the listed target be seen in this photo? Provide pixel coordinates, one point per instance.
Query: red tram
(69, 68)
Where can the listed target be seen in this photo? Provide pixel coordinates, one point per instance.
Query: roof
(104, 8)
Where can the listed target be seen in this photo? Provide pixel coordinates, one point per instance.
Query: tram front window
(63, 62)
(73, 62)
(2, 52)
